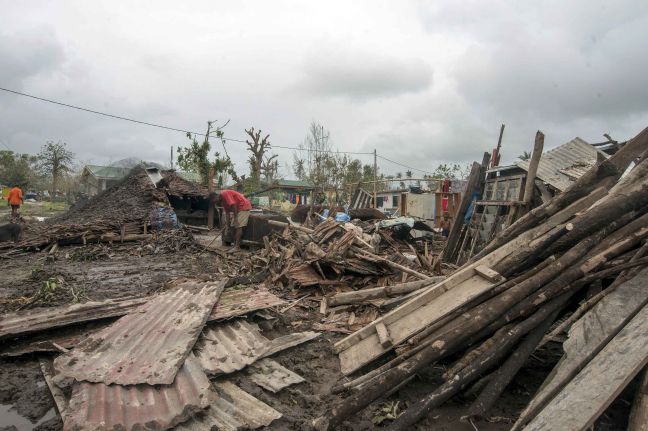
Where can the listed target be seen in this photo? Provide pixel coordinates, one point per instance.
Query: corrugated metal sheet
(272, 376)
(30, 321)
(233, 410)
(148, 345)
(236, 302)
(101, 407)
(228, 347)
(561, 166)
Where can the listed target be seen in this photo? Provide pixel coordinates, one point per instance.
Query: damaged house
(501, 198)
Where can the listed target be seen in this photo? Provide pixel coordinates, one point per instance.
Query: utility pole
(210, 208)
(375, 200)
(171, 156)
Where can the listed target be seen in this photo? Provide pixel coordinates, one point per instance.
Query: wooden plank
(499, 203)
(369, 348)
(429, 294)
(587, 396)
(383, 335)
(588, 336)
(60, 401)
(536, 155)
(489, 274)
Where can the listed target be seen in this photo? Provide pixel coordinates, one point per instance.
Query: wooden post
(533, 168)
(375, 200)
(210, 209)
(499, 147)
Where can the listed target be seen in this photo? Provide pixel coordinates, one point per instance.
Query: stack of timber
(495, 310)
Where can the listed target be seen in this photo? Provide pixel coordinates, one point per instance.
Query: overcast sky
(422, 82)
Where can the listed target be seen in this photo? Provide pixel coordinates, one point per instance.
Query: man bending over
(237, 211)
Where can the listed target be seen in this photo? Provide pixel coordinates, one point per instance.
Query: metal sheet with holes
(227, 347)
(101, 407)
(233, 410)
(231, 346)
(147, 345)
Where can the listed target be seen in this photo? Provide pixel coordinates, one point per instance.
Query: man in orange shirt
(14, 199)
(237, 211)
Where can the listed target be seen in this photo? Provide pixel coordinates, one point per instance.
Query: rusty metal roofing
(30, 321)
(563, 165)
(231, 346)
(236, 302)
(272, 376)
(147, 345)
(101, 407)
(233, 410)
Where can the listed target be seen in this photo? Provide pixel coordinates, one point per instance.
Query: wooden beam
(383, 335)
(488, 273)
(533, 167)
(587, 396)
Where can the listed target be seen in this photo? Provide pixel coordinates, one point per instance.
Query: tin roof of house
(563, 165)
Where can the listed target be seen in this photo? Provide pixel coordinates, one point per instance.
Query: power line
(160, 126)
(175, 129)
(404, 166)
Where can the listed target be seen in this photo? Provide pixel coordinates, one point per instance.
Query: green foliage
(17, 169)
(49, 287)
(196, 158)
(451, 171)
(525, 156)
(387, 411)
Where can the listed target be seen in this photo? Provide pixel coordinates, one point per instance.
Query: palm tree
(525, 156)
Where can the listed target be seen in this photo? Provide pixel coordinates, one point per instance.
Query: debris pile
(162, 365)
(127, 211)
(119, 213)
(341, 254)
(495, 310)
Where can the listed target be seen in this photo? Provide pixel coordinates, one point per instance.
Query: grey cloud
(583, 68)
(361, 75)
(28, 54)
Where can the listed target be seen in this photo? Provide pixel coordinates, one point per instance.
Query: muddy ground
(98, 272)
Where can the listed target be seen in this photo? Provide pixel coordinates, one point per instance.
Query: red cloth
(15, 196)
(231, 198)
